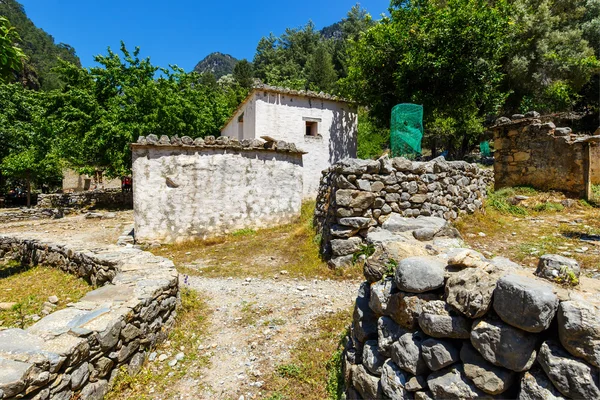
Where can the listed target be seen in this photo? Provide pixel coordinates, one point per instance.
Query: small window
(312, 128)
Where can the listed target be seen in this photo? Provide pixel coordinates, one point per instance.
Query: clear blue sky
(181, 32)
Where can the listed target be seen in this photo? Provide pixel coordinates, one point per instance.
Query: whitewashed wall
(232, 129)
(187, 192)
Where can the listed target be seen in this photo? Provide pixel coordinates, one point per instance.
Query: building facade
(323, 126)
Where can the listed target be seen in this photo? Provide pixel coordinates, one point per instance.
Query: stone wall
(356, 196)
(595, 165)
(21, 214)
(186, 189)
(531, 153)
(437, 322)
(108, 198)
(76, 352)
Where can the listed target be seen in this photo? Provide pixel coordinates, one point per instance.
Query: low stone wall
(356, 196)
(439, 322)
(111, 199)
(531, 153)
(595, 165)
(186, 189)
(76, 352)
(21, 214)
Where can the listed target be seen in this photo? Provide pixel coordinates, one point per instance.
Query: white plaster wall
(280, 116)
(218, 191)
(232, 128)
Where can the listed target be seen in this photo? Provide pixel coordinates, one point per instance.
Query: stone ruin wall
(356, 196)
(107, 198)
(185, 189)
(531, 153)
(77, 352)
(454, 325)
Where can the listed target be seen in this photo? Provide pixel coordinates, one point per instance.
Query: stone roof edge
(221, 142)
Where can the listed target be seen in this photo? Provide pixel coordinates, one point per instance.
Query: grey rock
(366, 384)
(504, 345)
(388, 332)
(126, 351)
(354, 198)
(439, 353)
(199, 142)
(103, 366)
(407, 353)
(188, 141)
(439, 320)
(532, 114)
(416, 383)
(425, 234)
(209, 140)
(397, 223)
(130, 332)
(136, 363)
(470, 291)
(565, 131)
(419, 274)
(393, 380)
(466, 258)
(355, 222)
(53, 299)
(579, 330)
(555, 267)
(343, 183)
(517, 116)
(355, 166)
(525, 303)
(487, 377)
(502, 120)
(342, 231)
(572, 377)
(535, 385)
(363, 184)
(341, 262)
(343, 247)
(95, 390)
(110, 336)
(402, 164)
(425, 395)
(364, 320)
(80, 376)
(354, 350)
(372, 359)
(164, 139)
(451, 383)
(376, 264)
(405, 308)
(151, 139)
(13, 376)
(380, 295)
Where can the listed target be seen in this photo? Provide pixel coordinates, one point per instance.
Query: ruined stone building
(74, 182)
(322, 125)
(531, 153)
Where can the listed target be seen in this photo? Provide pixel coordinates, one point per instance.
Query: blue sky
(181, 32)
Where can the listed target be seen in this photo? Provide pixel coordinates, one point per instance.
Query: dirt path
(253, 326)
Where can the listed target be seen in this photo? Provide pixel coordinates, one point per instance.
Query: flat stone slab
(109, 294)
(397, 223)
(13, 376)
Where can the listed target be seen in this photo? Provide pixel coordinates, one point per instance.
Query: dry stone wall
(77, 352)
(531, 153)
(185, 189)
(106, 198)
(357, 196)
(447, 323)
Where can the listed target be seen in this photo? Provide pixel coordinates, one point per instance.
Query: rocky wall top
(221, 142)
(77, 352)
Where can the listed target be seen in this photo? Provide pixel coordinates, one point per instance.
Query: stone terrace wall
(185, 189)
(12, 215)
(529, 153)
(450, 324)
(90, 199)
(356, 196)
(595, 165)
(76, 352)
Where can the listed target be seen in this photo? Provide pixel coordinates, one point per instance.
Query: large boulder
(579, 330)
(525, 303)
(407, 353)
(393, 380)
(558, 268)
(405, 308)
(419, 274)
(450, 383)
(487, 377)
(504, 345)
(388, 332)
(572, 377)
(470, 291)
(535, 385)
(439, 320)
(439, 353)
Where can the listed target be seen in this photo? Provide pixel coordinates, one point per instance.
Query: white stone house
(322, 125)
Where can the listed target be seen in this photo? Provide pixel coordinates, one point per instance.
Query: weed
(567, 277)
(366, 250)
(244, 232)
(548, 207)
(288, 371)
(499, 201)
(391, 266)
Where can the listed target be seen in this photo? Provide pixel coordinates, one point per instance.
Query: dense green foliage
(11, 56)
(218, 64)
(42, 53)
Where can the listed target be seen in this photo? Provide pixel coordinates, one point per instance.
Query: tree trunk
(28, 178)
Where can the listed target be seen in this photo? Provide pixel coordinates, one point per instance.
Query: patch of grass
(499, 201)
(243, 232)
(251, 313)
(314, 370)
(30, 288)
(156, 378)
(548, 207)
(293, 247)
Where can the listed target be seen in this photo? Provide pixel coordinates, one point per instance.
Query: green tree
(320, 73)
(243, 73)
(444, 55)
(11, 56)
